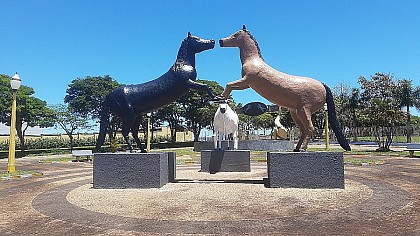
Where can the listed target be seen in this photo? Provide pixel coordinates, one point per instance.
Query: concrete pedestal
(305, 170)
(133, 170)
(225, 161)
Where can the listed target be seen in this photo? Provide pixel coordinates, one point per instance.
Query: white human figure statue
(225, 123)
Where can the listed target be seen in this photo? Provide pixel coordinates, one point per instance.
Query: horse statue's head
(195, 44)
(236, 39)
(244, 40)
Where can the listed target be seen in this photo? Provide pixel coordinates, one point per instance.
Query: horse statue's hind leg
(302, 117)
(128, 121)
(135, 132)
(300, 126)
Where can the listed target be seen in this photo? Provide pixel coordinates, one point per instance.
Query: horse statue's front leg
(199, 86)
(235, 85)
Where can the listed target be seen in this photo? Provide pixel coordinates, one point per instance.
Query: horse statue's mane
(256, 43)
(183, 53)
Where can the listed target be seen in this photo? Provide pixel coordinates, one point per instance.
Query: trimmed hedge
(57, 142)
(52, 151)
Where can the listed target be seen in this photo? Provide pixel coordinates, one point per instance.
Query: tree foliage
(198, 112)
(30, 111)
(172, 114)
(86, 95)
(381, 109)
(264, 121)
(408, 96)
(70, 121)
(347, 101)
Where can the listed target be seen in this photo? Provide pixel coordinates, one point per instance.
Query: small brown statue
(301, 95)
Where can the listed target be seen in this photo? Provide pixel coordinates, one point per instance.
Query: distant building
(36, 131)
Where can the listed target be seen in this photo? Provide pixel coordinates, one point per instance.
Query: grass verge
(20, 173)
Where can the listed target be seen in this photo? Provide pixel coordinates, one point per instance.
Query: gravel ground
(210, 198)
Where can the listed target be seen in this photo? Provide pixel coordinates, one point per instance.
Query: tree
(286, 119)
(263, 121)
(380, 108)
(245, 125)
(30, 111)
(347, 103)
(353, 107)
(408, 96)
(318, 121)
(86, 95)
(172, 114)
(342, 93)
(70, 121)
(198, 112)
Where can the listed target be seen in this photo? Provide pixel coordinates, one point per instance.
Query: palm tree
(408, 96)
(353, 105)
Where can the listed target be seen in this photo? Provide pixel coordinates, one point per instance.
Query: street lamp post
(148, 132)
(327, 137)
(15, 84)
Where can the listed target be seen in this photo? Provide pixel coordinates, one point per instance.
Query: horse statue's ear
(244, 27)
(189, 34)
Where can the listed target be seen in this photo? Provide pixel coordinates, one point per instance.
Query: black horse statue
(132, 101)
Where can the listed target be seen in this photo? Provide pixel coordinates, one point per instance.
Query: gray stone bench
(82, 153)
(412, 147)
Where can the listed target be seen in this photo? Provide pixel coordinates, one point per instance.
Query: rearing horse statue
(301, 95)
(132, 101)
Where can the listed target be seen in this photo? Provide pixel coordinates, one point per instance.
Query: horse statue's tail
(332, 117)
(103, 125)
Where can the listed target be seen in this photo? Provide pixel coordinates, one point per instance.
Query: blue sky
(50, 43)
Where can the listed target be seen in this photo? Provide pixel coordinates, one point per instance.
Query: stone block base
(133, 170)
(225, 161)
(305, 170)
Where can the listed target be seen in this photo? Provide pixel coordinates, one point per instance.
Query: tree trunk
(196, 136)
(173, 135)
(354, 127)
(21, 136)
(408, 125)
(196, 131)
(71, 141)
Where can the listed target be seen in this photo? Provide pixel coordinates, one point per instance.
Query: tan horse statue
(301, 95)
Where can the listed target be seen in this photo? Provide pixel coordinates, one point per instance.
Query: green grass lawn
(351, 157)
(397, 139)
(188, 155)
(59, 159)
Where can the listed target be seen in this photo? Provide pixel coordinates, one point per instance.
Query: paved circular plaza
(377, 200)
